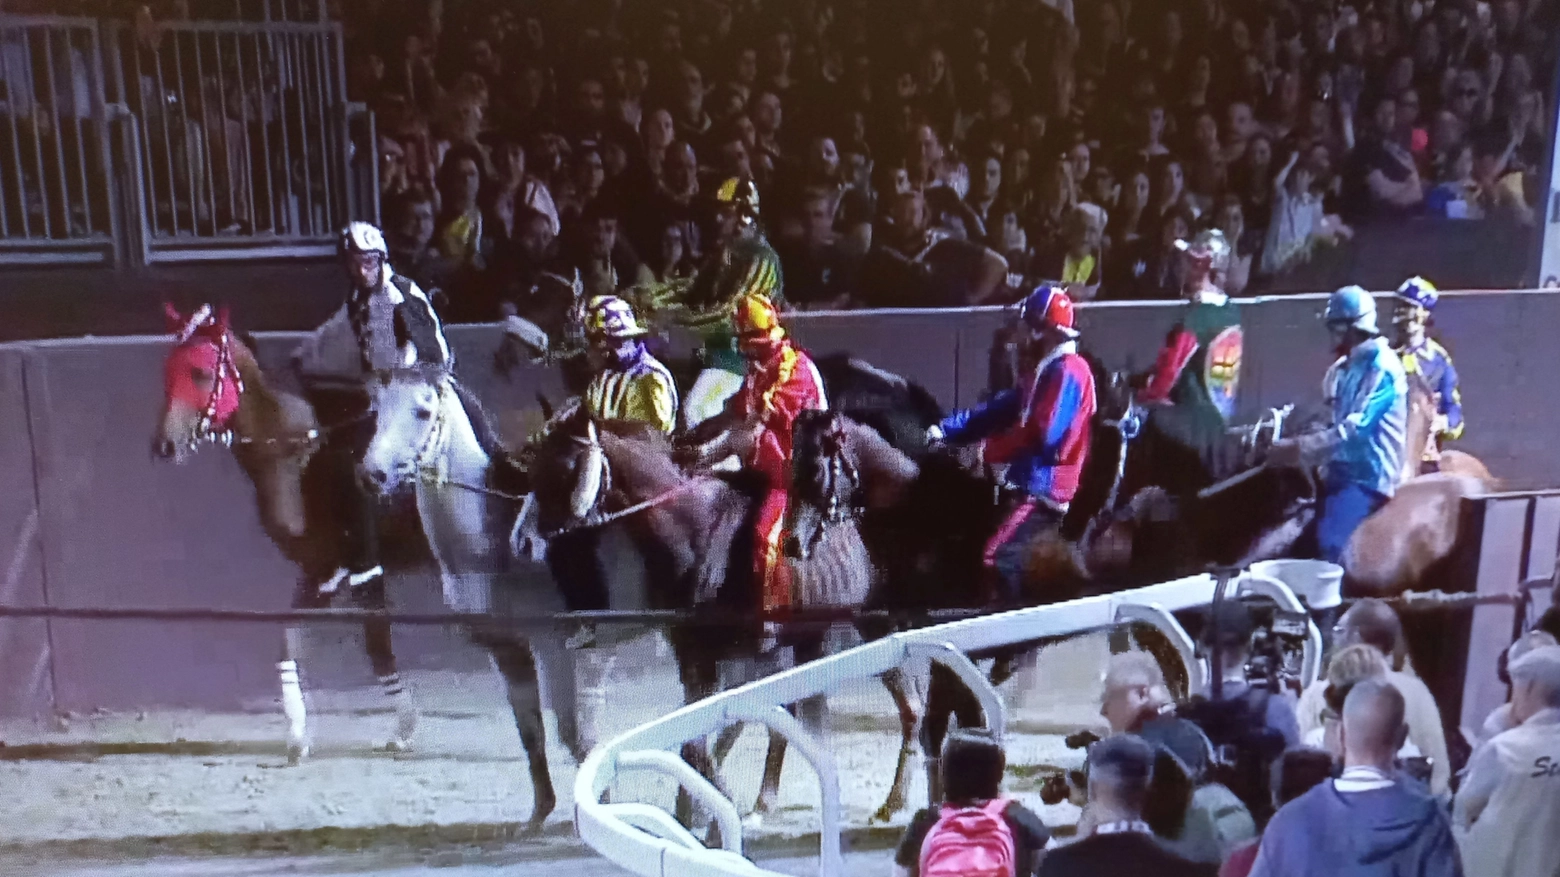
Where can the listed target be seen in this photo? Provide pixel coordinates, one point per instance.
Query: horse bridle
(839, 465)
(429, 462)
(205, 428)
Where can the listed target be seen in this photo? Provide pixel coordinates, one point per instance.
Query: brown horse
(695, 536)
(216, 392)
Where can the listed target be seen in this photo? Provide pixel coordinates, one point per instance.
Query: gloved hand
(934, 435)
(1440, 425)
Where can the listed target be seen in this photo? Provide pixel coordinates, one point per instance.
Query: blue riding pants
(1344, 507)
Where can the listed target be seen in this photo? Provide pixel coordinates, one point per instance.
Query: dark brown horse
(216, 392)
(694, 534)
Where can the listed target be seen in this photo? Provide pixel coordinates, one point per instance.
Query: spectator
(1150, 270)
(919, 266)
(1115, 839)
(1078, 261)
(1499, 720)
(528, 190)
(1300, 222)
(1231, 219)
(972, 767)
(1458, 195)
(986, 188)
(1294, 774)
(672, 260)
(819, 273)
(1127, 221)
(461, 179)
(606, 264)
(1383, 179)
(409, 233)
(1373, 623)
(1365, 822)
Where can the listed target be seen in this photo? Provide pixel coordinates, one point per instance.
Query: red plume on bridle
(200, 373)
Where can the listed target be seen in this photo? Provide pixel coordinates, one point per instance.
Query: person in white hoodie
(1507, 813)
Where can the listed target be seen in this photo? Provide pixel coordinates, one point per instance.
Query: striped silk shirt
(644, 392)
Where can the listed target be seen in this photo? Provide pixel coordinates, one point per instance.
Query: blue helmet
(1419, 292)
(1354, 307)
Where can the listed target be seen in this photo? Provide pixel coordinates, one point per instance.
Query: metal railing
(186, 140)
(647, 841)
(55, 160)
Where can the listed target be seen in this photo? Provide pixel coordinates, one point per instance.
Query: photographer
(1249, 721)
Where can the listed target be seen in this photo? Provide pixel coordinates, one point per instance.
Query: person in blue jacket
(1364, 447)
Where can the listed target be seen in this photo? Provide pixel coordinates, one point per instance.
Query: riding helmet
(361, 237)
(1209, 245)
(1353, 306)
(756, 315)
(607, 316)
(1049, 307)
(1419, 292)
(741, 192)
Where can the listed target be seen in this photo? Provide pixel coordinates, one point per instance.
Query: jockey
(632, 384)
(743, 265)
(1193, 387)
(781, 382)
(1364, 447)
(1427, 364)
(386, 323)
(1040, 428)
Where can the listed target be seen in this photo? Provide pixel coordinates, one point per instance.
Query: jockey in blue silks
(1364, 447)
(1429, 365)
(1039, 428)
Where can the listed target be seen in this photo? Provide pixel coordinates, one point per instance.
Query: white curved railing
(648, 841)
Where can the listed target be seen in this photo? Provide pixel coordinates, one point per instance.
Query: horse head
(202, 388)
(570, 475)
(825, 480)
(409, 408)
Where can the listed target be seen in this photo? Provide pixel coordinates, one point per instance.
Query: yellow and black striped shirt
(644, 392)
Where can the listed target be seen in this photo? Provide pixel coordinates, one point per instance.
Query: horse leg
(381, 656)
(514, 661)
(557, 663)
(292, 695)
(895, 681)
(947, 698)
(698, 673)
(811, 711)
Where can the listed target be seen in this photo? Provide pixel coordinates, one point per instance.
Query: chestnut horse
(215, 392)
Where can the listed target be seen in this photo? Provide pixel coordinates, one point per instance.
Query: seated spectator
(1383, 179)
(1115, 839)
(915, 265)
(461, 179)
(1150, 269)
(1458, 195)
(1367, 821)
(1230, 218)
(1508, 808)
(409, 223)
(1294, 774)
(1373, 623)
(972, 767)
(606, 263)
(1077, 264)
(672, 260)
(528, 190)
(819, 273)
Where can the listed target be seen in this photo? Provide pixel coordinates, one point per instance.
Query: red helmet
(1049, 307)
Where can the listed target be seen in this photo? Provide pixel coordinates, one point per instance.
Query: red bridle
(204, 344)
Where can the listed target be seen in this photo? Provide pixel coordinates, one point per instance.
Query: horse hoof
(297, 751)
(400, 744)
(753, 821)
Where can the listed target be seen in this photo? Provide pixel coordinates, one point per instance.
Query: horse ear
(590, 430)
(547, 407)
(175, 320)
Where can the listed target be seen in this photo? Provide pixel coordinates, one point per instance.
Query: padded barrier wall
(106, 525)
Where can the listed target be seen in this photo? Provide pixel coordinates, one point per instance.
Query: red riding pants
(769, 567)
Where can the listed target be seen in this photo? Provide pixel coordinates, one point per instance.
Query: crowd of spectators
(1347, 791)
(931, 152)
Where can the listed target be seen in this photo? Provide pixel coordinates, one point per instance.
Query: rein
(636, 508)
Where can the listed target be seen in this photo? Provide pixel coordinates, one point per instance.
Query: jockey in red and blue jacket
(1040, 429)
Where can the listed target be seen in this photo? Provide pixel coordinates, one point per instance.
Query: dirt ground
(188, 780)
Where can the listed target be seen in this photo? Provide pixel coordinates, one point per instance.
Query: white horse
(424, 440)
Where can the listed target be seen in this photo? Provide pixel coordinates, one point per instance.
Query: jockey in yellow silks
(1428, 364)
(630, 384)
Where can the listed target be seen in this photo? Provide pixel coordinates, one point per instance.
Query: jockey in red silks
(1039, 428)
(781, 382)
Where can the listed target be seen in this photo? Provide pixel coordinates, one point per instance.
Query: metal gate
(56, 166)
(181, 141)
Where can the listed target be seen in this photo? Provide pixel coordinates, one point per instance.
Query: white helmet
(1353, 306)
(362, 237)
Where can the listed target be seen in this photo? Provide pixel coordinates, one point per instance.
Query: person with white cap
(1363, 449)
(1507, 813)
(1499, 720)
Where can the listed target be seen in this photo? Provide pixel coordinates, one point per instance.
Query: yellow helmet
(607, 316)
(741, 192)
(756, 315)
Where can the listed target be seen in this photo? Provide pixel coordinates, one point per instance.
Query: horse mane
(648, 451)
(265, 408)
